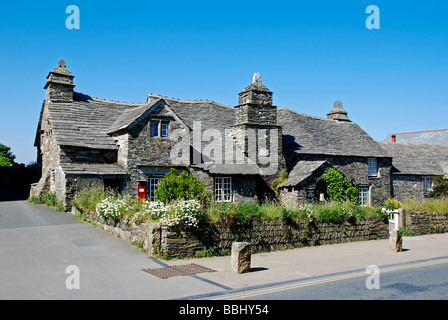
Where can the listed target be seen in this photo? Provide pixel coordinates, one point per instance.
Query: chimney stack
(60, 85)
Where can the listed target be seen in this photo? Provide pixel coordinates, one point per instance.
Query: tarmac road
(38, 244)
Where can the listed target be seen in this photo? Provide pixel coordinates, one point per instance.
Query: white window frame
(427, 183)
(364, 196)
(164, 129)
(223, 191)
(152, 183)
(372, 167)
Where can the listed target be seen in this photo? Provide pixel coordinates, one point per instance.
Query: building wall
(49, 156)
(407, 186)
(139, 150)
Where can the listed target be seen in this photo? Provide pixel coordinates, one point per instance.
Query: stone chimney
(255, 104)
(256, 131)
(59, 84)
(338, 113)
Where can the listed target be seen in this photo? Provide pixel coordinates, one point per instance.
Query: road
(422, 280)
(38, 244)
(45, 254)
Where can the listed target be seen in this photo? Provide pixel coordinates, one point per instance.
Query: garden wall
(426, 223)
(263, 236)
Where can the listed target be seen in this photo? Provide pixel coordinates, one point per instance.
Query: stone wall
(270, 236)
(264, 236)
(426, 223)
(407, 186)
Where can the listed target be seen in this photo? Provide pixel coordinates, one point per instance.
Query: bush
(112, 208)
(90, 197)
(440, 188)
(185, 213)
(183, 186)
(392, 204)
(339, 188)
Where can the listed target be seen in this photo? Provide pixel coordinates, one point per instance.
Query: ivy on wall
(339, 188)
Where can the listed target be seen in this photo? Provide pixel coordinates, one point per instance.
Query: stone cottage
(414, 166)
(237, 151)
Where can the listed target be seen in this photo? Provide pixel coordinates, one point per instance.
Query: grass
(49, 199)
(244, 214)
(431, 205)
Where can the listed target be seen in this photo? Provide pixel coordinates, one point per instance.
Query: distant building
(413, 168)
(438, 137)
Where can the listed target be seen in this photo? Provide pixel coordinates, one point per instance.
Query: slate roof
(212, 115)
(85, 122)
(88, 122)
(93, 169)
(417, 159)
(438, 136)
(301, 171)
(304, 134)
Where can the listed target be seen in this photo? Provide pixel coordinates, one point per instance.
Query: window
(372, 167)
(427, 183)
(164, 130)
(151, 187)
(223, 189)
(154, 129)
(363, 193)
(159, 129)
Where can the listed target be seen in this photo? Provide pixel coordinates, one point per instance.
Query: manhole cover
(174, 271)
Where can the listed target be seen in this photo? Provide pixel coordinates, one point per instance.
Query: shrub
(111, 208)
(392, 204)
(183, 186)
(90, 197)
(339, 188)
(280, 180)
(185, 213)
(440, 188)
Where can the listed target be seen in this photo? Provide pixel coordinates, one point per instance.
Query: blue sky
(309, 53)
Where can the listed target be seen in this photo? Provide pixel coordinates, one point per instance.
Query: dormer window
(159, 128)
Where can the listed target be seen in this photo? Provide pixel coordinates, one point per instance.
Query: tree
(181, 186)
(6, 156)
(339, 188)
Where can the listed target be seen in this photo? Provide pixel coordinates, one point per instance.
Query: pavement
(308, 262)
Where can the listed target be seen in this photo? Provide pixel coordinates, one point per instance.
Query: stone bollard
(240, 257)
(396, 241)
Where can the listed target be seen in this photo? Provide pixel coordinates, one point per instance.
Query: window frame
(223, 189)
(152, 187)
(425, 181)
(162, 124)
(364, 196)
(163, 128)
(372, 167)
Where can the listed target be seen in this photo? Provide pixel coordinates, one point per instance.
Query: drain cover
(174, 271)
